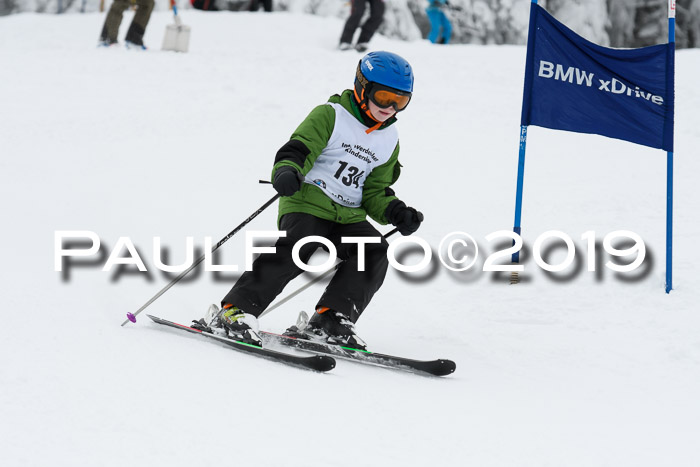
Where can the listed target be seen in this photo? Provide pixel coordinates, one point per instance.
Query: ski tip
(323, 363)
(444, 367)
(131, 317)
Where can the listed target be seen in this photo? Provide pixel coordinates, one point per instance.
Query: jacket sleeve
(377, 193)
(307, 141)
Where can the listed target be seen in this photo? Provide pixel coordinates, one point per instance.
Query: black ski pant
(348, 292)
(376, 15)
(255, 5)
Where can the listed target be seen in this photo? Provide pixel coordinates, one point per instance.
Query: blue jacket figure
(440, 26)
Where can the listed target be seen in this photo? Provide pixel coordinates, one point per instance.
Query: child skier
(336, 170)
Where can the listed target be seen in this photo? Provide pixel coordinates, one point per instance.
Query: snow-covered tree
(688, 22)
(621, 28)
(615, 23)
(399, 21)
(588, 18)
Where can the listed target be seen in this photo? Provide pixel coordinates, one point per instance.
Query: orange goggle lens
(386, 98)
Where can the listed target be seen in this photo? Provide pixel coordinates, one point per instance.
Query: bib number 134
(351, 176)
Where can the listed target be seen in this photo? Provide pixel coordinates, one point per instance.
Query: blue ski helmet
(388, 69)
(385, 69)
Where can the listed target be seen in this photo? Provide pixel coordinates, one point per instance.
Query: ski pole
(132, 316)
(313, 281)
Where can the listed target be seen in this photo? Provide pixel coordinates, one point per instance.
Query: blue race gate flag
(575, 85)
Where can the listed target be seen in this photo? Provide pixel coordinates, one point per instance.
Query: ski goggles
(385, 96)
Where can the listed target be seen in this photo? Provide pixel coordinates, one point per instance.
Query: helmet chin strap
(369, 114)
(363, 102)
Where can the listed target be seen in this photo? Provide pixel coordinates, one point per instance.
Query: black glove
(287, 180)
(406, 219)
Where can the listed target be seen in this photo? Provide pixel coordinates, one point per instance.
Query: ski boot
(235, 324)
(345, 46)
(329, 326)
(135, 46)
(362, 47)
(105, 42)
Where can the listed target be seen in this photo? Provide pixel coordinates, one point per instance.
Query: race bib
(345, 163)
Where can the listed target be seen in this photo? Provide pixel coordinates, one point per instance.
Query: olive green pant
(138, 25)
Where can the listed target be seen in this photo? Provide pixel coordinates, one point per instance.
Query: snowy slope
(588, 371)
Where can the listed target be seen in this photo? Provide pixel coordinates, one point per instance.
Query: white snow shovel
(177, 36)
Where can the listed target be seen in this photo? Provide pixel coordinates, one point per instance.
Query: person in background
(440, 26)
(205, 5)
(134, 36)
(255, 5)
(357, 9)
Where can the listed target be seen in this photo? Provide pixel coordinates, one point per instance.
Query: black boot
(335, 328)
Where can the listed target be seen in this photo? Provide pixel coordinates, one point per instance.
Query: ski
(316, 362)
(438, 367)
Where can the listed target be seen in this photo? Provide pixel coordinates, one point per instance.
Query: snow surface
(588, 371)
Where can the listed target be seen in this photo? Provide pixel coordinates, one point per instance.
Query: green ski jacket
(311, 139)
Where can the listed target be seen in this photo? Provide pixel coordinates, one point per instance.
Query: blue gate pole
(669, 222)
(519, 189)
(669, 169)
(524, 120)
